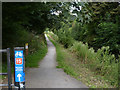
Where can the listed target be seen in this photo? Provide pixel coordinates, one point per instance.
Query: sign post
(19, 72)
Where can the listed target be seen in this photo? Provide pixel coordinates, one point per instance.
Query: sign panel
(19, 66)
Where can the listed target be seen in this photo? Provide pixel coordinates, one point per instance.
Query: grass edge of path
(31, 61)
(36, 57)
(61, 57)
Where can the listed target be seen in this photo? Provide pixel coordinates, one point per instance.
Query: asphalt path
(48, 76)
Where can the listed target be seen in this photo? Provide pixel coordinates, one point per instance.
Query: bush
(97, 35)
(107, 35)
(101, 62)
(65, 37)
(38, 49)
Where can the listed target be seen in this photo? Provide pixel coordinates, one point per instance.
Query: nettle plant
(106, 56)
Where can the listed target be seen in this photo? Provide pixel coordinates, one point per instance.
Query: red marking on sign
(18, 60)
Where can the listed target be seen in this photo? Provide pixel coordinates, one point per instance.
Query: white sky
(71, 10)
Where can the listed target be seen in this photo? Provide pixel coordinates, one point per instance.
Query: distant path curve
(48, 76)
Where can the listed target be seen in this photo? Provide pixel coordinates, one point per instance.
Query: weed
(101, 62)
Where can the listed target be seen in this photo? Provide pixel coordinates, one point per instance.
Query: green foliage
(107, 35)
(32, 60)
(103, 34)
(37, 50)
(55, 37)
(17, 39)
(64, 35)
(102, 26)
(76, 31)
(96, 24)
(61, 59)
(101, 62)
(32, 16)
(21, 22)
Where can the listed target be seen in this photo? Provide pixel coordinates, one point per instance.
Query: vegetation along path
(48, 76)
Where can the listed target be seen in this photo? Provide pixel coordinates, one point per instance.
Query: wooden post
(26, 48)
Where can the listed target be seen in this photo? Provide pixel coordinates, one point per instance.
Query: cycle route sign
(19, 66)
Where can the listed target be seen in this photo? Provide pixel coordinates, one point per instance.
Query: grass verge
(37, 48)
(61, 56)
(72, 66)
(33, 60)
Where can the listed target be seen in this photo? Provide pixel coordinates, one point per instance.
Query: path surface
(48, 76)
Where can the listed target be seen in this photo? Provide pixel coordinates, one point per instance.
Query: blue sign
(19, 66)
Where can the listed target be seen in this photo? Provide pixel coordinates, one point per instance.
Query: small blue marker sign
(19, 66)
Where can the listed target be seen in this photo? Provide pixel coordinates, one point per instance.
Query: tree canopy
(92, 19)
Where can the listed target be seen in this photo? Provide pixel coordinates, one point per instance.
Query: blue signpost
(19, 67)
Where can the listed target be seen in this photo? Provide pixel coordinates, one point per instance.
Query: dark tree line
(96, 23)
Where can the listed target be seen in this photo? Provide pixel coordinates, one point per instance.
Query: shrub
(107, 34)
(65, 37)
(101, 62)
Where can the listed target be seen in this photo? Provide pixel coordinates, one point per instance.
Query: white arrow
(19, 75)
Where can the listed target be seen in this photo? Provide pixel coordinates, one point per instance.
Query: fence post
(9, 69)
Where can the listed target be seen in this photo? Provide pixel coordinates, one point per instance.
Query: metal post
(9, 69)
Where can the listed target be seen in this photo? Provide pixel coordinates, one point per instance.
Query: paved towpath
(48, 76)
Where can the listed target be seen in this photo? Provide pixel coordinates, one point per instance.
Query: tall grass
(101, 62)
(61, 58)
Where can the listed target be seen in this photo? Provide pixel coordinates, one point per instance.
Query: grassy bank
(61, 57)
(37, 50)
(32, 60)
(73, 66)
